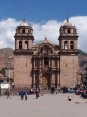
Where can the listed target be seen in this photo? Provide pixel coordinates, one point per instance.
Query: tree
(2, 71)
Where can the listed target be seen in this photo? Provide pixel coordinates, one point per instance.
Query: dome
(24, 23)
(68, 23)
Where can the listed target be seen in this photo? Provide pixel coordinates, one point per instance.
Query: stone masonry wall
(68, 70)
(22, 71)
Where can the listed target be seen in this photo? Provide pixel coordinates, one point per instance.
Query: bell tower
(68, 39)
(23, 55)
(68, 43)
(23, 37)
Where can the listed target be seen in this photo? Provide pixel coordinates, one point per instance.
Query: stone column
(17, 44)
(69, 44)
(34, 80)
(23, 44)
(62, 44)
(33, 63)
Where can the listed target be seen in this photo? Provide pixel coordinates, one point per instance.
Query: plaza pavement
(48, 105)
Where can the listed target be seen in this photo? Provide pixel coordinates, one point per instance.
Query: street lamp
(0, 85)
(9, 74)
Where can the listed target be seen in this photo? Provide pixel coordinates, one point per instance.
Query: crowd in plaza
(24, 92)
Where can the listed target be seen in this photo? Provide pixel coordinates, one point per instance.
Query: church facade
(45, 64)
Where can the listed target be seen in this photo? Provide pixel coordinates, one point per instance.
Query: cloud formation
(7, 31)
(49, 29)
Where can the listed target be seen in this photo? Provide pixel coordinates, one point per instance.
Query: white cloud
(49, 29)
(7, 31)
(81, 24)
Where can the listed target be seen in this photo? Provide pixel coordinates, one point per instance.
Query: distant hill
(6, 56)
(82, 55)
(5, 53)
(82, 60)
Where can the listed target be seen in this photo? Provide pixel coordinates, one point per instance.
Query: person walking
(37, 93)
(56, 91)
(8, 92)
(25, 95)
(22, 94)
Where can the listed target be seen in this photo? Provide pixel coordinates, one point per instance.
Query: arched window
(46, 61)
(23, 31)
(65, 45)
(68, 30)
(20, 44)
(71, 45)
(26, 44)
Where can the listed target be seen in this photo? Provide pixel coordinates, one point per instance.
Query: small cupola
(24, 28)
(67, 24)
(68, 29)
(24, 23)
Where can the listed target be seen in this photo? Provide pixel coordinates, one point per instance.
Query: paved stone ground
(45, 106)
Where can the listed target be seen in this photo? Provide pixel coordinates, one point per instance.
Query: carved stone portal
(45, 83)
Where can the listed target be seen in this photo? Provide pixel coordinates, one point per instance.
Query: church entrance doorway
(45, 81)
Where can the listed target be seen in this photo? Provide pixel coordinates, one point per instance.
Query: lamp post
(9, 74)
(0, 85)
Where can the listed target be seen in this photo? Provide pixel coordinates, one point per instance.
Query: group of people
(23, 94)
(55, 90)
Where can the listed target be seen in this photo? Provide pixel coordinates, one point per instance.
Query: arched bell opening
(71, 45)
(26, 44)
(20, 44)
(65, 45)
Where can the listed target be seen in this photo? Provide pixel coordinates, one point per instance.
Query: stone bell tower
(22, 55)
(68, 42)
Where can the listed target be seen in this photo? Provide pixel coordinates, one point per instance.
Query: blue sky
(45, 17)
(42, 10)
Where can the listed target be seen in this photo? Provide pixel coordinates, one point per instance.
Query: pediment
(46, 47)
(47, 42)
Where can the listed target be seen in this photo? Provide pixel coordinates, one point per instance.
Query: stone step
(45, 91)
